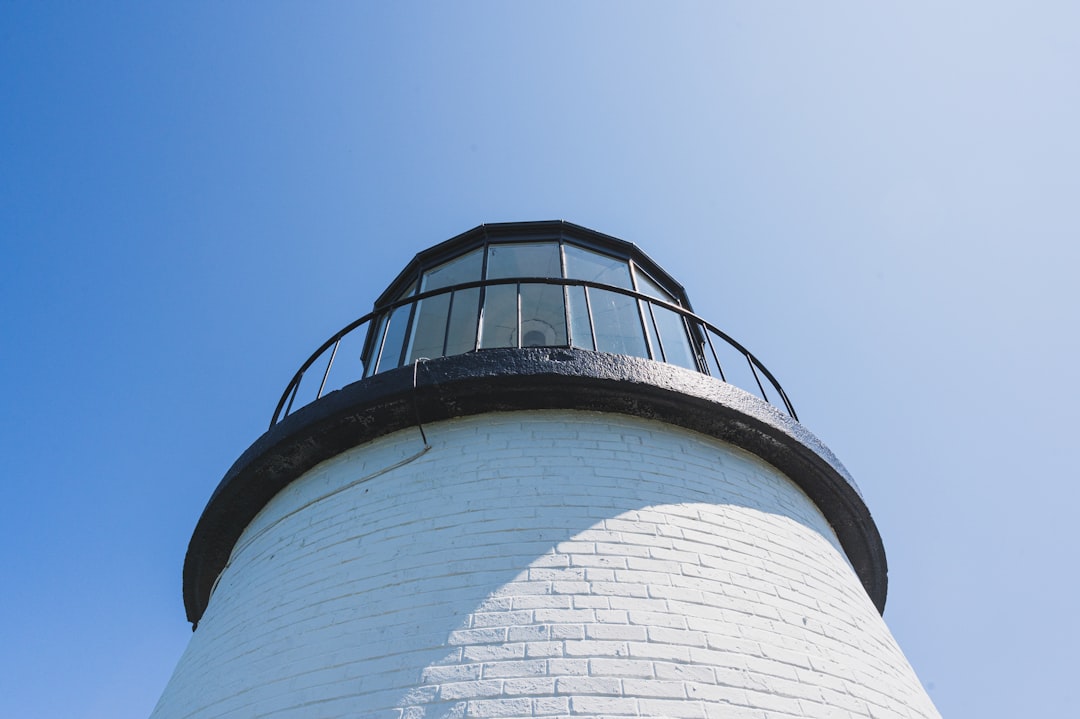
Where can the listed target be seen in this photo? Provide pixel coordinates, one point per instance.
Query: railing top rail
(388, 307)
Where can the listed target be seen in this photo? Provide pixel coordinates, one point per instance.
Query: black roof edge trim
(525, 231)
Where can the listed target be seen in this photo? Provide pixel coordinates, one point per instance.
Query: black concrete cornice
(522, 379)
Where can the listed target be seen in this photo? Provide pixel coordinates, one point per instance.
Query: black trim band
(522, 379)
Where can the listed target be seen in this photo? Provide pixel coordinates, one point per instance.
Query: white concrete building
(542, 494)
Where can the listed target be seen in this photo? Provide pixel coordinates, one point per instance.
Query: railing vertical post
(329, 364)
(716, 357)
(295, 389)
(753, 371)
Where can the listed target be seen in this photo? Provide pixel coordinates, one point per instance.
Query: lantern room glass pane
(429, 328)
(390, 357)
(617, 324)
(675, 338)
(461, 337)
(377, 360)
(371, 360)
(523, 259)
(499, 327)
(582, 264)
(647, 286)
(466, 268)
(543, 316)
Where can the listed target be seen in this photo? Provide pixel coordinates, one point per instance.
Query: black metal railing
(713, 351)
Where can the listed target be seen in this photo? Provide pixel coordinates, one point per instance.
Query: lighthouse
(532, 482)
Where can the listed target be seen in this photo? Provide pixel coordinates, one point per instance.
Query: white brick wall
(542, 564)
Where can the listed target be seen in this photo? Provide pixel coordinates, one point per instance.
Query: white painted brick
(589, 685)
(621, 588)
(545, 649)
(570, 587)
(653, 688)
(651, 619)
(528, 633)
(501, 619)
(544, 602)
(667, 652)
(493, 652)
(594, 575)
(568, 667)
(592, 648)
(551, 706)
(612, 616)
(470, 690)
(564, 616)
(526, 668)
(671, 708)
(773, 702)
(685, 672)
(538, 565)
(622, 549)
(665, 635)
(621, 667)
(561, 574)
(615, 632)
(529, 685)
(588, 601)
(478, 636)
(500, 708)
(603, 706)
(567, 631)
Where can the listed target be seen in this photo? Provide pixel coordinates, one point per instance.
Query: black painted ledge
(522, 379)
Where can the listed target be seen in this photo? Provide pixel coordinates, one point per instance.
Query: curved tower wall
(541, 563)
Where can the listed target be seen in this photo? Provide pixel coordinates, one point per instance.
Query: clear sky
(879, 199)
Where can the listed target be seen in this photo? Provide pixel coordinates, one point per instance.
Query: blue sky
(879, 200)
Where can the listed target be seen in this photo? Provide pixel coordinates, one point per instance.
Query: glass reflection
(371, 359)
(674, 338)
(617, 324)
(652, 344)
(429, 328)
(524, 259)
(461, 269)
(580, 324)
(647, 286)
(390, 357)
(543, 316)
(499, 323)
(461, 335)
(582, 264)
